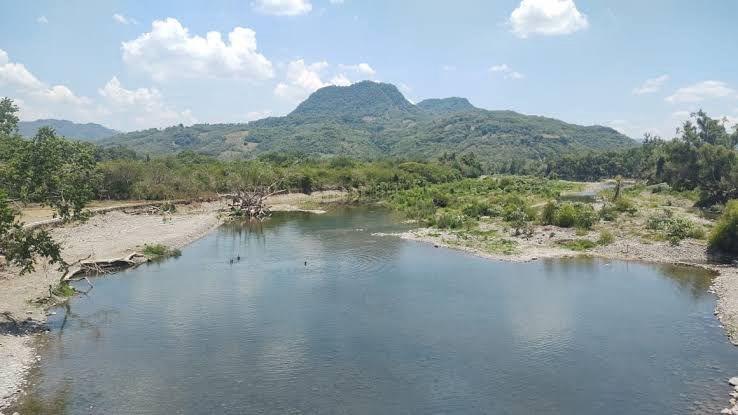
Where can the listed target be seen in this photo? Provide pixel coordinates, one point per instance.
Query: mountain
(372, 120)
(87, 132)
(445, 106)
(355, 102)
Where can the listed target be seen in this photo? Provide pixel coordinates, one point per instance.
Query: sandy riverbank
(107, 235)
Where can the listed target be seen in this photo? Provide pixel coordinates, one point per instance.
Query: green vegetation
(158, 251)
(606, 238)
(371, 120)
(64, 289)
(87, 132)
(701, 159)
(569, 215)
(578, 244)
(724, 236)
(674, 229)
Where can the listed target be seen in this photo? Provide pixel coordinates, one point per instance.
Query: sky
(637, 66)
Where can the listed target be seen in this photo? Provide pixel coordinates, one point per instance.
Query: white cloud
(42, 20)
(282, 7)
(507, 71)
(116, 106)
(448, 68)
(362, 69)
(119, 18)
(651, 85)
(257, 115)
(340, 80)
(701, 91)
(547, 18)
(142, 107)
(16, 75)
(169, 51)
(336, 1)
(302, 79)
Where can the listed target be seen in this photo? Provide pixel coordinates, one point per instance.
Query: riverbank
(548, 242)
(114, 231)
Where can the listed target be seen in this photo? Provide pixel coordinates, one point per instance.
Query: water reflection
(320, 316)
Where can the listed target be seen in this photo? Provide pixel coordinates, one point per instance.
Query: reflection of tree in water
(695, 280)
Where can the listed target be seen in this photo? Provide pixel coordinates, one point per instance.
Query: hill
(87, 132)
(446, 105)
(371, 120)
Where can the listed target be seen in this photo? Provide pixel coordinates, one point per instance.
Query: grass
(578, 244)
(159, 251)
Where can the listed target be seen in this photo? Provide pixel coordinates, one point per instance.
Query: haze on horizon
(632, 66)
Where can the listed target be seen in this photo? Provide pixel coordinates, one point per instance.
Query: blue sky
(638, 66)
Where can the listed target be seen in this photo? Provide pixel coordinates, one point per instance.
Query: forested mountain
(370, 120)
(86, 132)
(445, 106)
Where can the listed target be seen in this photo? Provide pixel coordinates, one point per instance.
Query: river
(320, 316)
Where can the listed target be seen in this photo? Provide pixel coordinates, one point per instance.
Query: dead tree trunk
(250, 202)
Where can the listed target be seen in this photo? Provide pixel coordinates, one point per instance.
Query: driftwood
(104, 266)
(251, 201)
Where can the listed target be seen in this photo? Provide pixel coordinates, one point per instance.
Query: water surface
(377, 325)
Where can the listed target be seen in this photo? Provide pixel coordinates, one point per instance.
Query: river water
(320, 316)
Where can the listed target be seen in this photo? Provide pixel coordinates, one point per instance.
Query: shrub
(159, 251)
(449, 219)
(548, 214)
(674, 229)
(580, 215)
(476, 209)
(606, 238)
(724, 236)
(625, 205)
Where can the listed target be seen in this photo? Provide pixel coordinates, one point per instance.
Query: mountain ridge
(81, 131)
(372, 120)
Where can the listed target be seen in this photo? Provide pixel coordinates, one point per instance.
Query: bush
(580, 215)
(674, 229)
(449, 219)
(606, 238)
(159, 251)
(625, 205)
(724, 236)
(548, 214)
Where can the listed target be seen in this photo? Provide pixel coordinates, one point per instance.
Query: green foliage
(724, 236)
(159, 251)
(87, 132)
(569, 215)
(606, 238)
(674, 229)
(371, 120)
(64, 289)
(8, 116)
(701, 158)
(449, 220)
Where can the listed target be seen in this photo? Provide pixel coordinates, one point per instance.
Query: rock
(726, 411)
(733, 381)
(734, 394)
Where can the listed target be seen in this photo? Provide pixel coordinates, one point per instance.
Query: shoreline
(690, 253)
(112, 232)
(119, 232)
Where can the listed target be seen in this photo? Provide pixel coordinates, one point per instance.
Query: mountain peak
(449, 105)
(356, 101)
